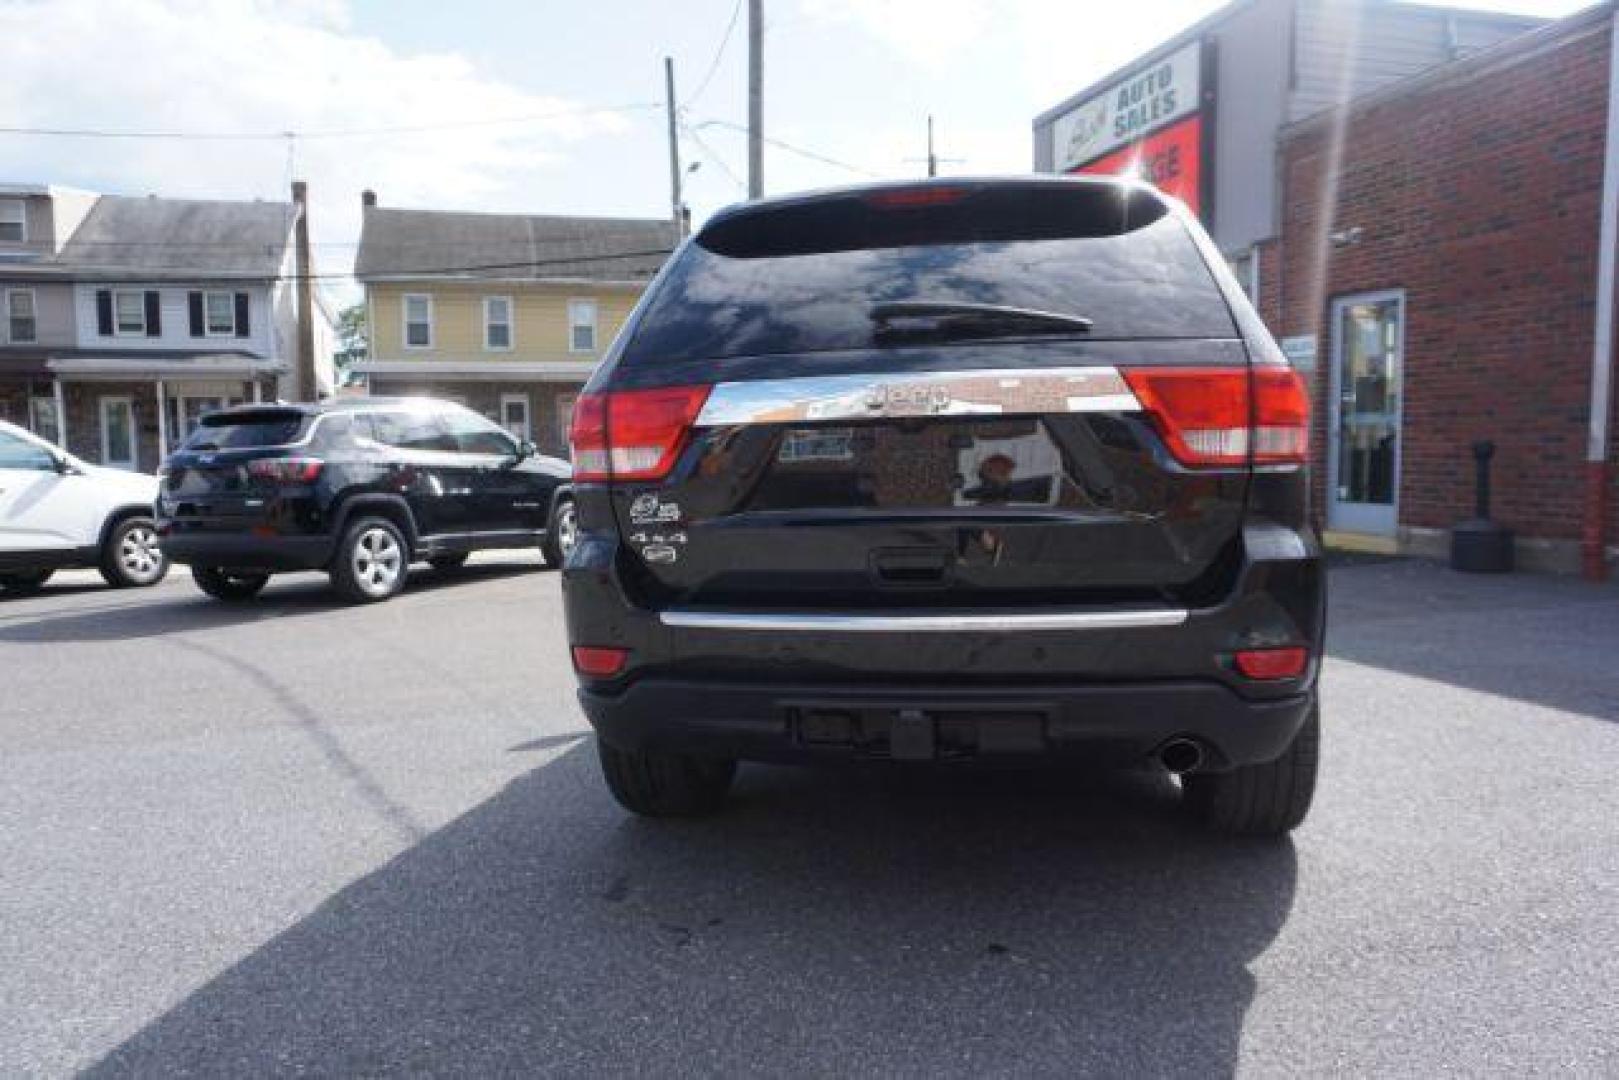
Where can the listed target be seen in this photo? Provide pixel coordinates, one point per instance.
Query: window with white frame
(118, 432)
(497, 322)
(21, 324)
(42, 419)
(13, 221)
(581, 326)
(1243, 268)
(514, 415)
(219, 314)
(129, 311)
(418, 321)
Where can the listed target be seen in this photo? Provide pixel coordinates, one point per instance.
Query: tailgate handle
(910, 566)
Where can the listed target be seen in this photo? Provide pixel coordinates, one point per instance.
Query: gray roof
(406, 243)
(150, 237)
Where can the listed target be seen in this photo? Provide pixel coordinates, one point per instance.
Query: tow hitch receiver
(912, 737)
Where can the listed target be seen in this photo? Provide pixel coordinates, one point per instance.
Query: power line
(322, 133)
(714, 65)
(404, 272)
(710, 153)
(799, 150)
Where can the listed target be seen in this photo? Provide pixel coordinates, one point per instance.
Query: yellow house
(508, 314)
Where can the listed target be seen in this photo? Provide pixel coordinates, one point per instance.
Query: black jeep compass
(359, 488)
(953, 470)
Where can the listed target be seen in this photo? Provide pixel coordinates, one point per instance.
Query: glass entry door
(1363, 460)
(118, 432)
(514, 415)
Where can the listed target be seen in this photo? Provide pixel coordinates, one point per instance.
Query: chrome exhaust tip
(1181, 756)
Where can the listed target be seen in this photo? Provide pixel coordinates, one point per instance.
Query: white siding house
(191, 315)
(165, 309)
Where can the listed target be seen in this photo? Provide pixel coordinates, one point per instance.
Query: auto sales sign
(1146, 122)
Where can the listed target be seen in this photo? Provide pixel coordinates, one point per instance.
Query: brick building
(1413, 198)
(1438, 252)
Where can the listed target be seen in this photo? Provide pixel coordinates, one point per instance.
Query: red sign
(1167, 159)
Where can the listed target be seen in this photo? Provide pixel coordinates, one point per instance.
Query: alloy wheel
(139, 555)
(378, 561)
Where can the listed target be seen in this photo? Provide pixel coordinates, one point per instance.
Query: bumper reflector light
(1273, 663)
(599, 662)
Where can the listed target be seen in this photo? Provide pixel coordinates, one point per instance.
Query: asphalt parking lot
(300, 837)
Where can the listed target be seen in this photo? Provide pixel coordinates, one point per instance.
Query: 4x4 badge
(646, 509)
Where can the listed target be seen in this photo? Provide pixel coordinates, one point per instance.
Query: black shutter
(154, 317)
(241, 315)
(194, 308)
(104, 312)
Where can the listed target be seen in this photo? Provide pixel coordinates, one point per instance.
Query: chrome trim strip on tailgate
(988, 392)
(934, 623)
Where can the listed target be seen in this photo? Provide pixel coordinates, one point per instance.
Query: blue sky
(849, 80)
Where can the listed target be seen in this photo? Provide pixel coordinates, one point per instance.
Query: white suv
(57, 511)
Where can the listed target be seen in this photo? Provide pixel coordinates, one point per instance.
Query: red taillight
(633, 434)
(599, 662)
(588, 437)
(1207, 416)
(1281, 416)
(286, 470)
(1272, 663)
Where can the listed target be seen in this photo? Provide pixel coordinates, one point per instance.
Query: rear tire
(228, 585)
(23, 582)
(446, 563)
(131, 558)
(561, 533)
(1269, 799)
(665, 785)
(372, 561)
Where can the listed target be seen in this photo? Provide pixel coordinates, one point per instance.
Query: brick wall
(1269, 301)
(14, 401)
(1478, 195)
(84, 419)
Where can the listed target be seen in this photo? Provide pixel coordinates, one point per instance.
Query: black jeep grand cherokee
(944, 471)
(359, 488)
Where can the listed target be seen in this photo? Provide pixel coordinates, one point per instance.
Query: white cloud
(219, 65)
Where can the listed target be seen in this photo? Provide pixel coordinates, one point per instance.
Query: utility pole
(304, 382)
(675, 212)
(756, 104)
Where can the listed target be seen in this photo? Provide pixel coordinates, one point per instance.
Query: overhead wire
(714, 65)
(812, 155)
(714, 156)
(322, 133)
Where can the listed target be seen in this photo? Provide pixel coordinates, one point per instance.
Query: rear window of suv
(241, 430)
(802, 277)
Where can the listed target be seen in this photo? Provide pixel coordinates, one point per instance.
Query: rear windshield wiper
(951, 318)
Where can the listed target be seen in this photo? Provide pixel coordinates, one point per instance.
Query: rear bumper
(1116, 681)
(1119, 724)
(246, 551)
